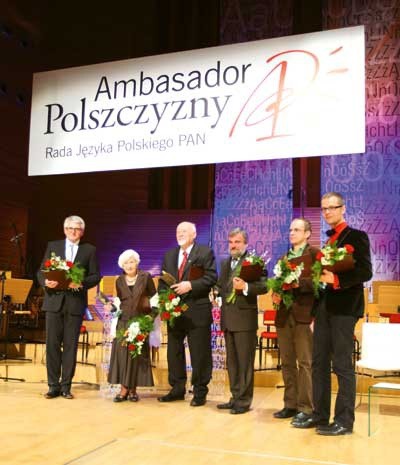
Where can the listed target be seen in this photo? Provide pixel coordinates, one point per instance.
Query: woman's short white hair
(126, 255)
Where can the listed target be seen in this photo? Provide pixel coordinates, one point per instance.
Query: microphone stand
(17, 241)
(4, 356)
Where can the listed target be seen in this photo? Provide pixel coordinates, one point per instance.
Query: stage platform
(28, 361)
(92, 430)
(90, 368)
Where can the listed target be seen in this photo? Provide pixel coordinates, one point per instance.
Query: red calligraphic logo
(283, 86)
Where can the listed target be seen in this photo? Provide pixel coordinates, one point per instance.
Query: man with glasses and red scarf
(341, 305)
(65, 307)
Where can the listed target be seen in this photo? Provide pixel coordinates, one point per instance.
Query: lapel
(306, 250)
(191, 259)
(226, 273)
(233, 272)
(343, 235)
(79, 253)
(174, 263)
(59, 248)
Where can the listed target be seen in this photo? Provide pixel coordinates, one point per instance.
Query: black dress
(124, 369)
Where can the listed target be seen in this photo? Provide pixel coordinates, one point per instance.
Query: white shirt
(180, 258)
(71, 249)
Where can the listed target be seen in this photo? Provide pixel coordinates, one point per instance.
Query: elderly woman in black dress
(134, 288)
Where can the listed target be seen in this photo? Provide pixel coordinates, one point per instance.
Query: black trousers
(62, 336)
(240, 354)
(199, 341)
(333, 347)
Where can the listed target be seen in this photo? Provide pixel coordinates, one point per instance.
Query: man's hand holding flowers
(251, 269)
(239, 284)
(182, 288)
(329, 261)
(286, 278)
(327, 277)
(71, 274)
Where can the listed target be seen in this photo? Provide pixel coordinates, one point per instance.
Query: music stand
(17, 290)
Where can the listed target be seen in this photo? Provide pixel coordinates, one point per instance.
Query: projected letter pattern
(371, 182)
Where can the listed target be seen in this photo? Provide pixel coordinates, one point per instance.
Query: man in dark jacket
(239, 321)
(294, 328)
(65, 307)
(340, 306)
(193, 267)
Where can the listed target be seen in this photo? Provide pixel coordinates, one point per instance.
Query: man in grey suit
(65, 308)
(239, 321)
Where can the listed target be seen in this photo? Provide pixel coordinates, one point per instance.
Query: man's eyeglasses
(330, 209)
(73, 229)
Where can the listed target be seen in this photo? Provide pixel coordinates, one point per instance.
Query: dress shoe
(133, 397)
(120, 398)
(334, 429)
(197, 401)
(51, 394)
(300, 417)
(226, 406)
(309, 423)
(171, 397)
(239, 410)
(67, 395)
(285, 413)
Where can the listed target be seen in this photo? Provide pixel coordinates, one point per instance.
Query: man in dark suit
(65, 308)
(341, 304)
(239, 321)
(294, 328)
(193, 266)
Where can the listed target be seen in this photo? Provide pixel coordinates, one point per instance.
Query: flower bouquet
(136, 333)
(251, 269)
(286, 278)
(331, 258)
(169, 305)
(63, 271)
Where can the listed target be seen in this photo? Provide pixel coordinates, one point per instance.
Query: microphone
(17, 237)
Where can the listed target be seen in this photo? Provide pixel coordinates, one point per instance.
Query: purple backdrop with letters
(370, 182)
(256, 197)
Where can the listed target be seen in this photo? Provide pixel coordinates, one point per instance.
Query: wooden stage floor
(92, 430)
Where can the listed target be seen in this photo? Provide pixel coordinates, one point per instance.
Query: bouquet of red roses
(331, 258)
(134, 336)
(169, 305)
(286, 278)
(58, 269)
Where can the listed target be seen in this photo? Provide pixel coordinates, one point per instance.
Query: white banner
(296, 96)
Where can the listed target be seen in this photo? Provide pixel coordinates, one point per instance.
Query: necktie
(330, 232)
(183, 264)
(71, 253)
(234, 262)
